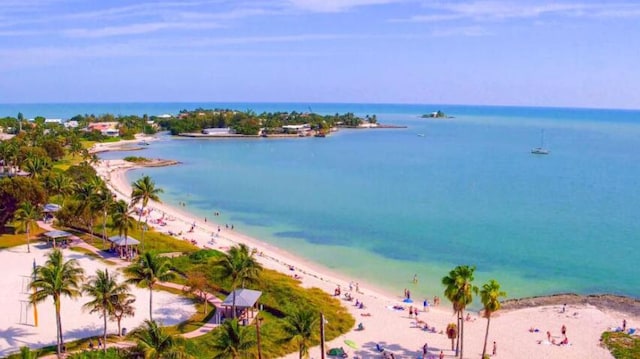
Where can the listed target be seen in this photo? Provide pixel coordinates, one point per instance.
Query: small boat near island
(540, 150)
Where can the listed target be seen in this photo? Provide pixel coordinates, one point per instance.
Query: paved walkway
(76, 241)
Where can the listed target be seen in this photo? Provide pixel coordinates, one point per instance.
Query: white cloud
(460, 31)
(495, 11)
(136, 29)
(335, 5)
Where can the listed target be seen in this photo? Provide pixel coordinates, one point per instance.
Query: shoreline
(392, 325)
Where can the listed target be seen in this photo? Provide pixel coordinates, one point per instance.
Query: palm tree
(459, 290)
(144, 189)
(26, 217)
(148, 270)
(84, 194)
(232, 340)
(238, 265)
(121, 220)
(60, 184)
(27, 353)
(102, 202)
(490, 295)
(105, 291)
(300, 327)
(36, 166)
(155, 343)
(57, 278)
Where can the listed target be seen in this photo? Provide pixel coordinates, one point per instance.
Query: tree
(57, 278)
(26, 217)
(148, 270)
(36, 166)
(232, 340)
(459, 290)
(122, 307)
(300, 326)
(238, 266)
(102, 201)
(15, 190)
(120, 218)
(144, 189)
(27, 353)
(197, 284)
(60, 184)
(155, 343)
(490, 295)
(84, 194)
(104, 290)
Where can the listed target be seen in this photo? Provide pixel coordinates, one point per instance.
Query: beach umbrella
(351, 344)
(408, 300)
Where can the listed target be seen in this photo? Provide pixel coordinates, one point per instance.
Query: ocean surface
(381, 205)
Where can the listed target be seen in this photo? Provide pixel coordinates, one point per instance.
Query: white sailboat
(540, 150)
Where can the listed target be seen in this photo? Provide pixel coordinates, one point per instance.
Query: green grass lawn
(621, 345)
(13, 240)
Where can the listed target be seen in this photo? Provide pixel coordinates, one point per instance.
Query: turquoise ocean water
(380, 205)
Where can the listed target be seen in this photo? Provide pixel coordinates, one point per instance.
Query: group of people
(91, 347)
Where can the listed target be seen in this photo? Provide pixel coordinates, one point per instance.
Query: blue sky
(538, 53)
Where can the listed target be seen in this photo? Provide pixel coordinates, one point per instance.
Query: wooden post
(321, 336)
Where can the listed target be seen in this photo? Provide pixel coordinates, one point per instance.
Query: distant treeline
(250, 123)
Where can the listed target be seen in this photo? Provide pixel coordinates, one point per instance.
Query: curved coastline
(520, 312)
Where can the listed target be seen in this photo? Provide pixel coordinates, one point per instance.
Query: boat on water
(540, 150)
(421, 135)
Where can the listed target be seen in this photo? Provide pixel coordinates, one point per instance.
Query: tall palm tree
(26, 217)
(36, 166)
(155, 343)
(237, 266)
(84, 194)
(148, 270)
(57, 278)
(144, 189)
(459, 290)
(121, 220)
(490, 295)
(300, 326)
(104, 290)
(60, 184)
(102, 202)
(232, 340)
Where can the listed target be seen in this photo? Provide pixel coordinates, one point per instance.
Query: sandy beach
(520, 333)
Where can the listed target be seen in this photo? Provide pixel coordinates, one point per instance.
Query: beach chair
(379, 348)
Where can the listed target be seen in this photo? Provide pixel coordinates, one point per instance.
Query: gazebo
(246, 304)
(125, 246)
(57, 235)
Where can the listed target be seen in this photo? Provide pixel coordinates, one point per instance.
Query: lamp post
(258, 320)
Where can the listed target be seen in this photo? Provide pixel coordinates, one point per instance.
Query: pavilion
(57, 235)
(125, 246)
(246, 305)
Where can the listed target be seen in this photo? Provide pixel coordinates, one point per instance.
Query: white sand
(393, 329)
(17, 320)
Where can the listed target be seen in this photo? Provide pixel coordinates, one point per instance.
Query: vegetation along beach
(317, 179)
(196, 225)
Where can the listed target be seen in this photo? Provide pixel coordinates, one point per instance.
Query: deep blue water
(381, 205)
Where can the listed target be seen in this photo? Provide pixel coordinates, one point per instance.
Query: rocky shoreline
(601, 301)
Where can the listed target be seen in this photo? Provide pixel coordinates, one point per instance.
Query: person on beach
(425, 304)
(441, 355)
(495, 348)
(624, 325)
(415, 279)
(549, 336)
(357, 287)
(563, 330)
(425, 349)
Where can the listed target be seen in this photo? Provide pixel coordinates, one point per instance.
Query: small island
(437, 114)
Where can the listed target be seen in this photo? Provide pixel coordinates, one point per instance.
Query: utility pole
(321, 336)
(258, 319)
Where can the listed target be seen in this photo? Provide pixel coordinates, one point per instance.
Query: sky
(569, 53)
